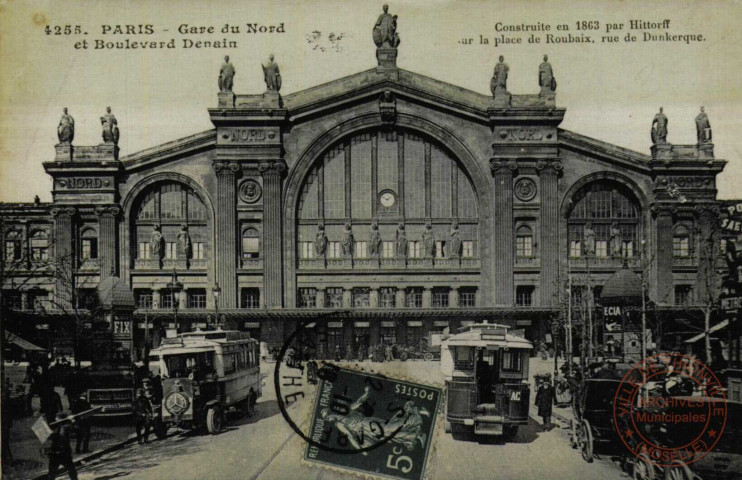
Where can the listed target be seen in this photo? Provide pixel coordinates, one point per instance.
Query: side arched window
(524, 242)
(681, 241)
(39, 246)
(88, 244)
(13, 246)
(250, 243)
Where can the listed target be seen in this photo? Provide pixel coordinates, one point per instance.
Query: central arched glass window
(171, 205)
(611, 212)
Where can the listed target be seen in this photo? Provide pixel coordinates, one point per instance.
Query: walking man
(143, 413)
(544, 401)
(60, 453)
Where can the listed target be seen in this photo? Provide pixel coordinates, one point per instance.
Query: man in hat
(60, 452)
(79, 405)
(544, 400)
(143, 414)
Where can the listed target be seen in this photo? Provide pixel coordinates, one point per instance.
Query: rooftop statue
(703, 127)
(272, 75)
(66, 128)
(499, 83)
(226, 76)
(659, 128)
(385, 30)
(110, 127)
(546, 79)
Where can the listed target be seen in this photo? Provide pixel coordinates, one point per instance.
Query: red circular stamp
(670, 409)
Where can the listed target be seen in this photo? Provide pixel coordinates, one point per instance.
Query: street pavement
(265, 447)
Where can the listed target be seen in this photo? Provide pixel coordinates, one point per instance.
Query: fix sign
(121, 327)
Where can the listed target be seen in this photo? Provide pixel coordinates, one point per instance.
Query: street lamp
(216, 291)
(175, 288)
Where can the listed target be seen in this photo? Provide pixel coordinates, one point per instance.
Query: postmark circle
(324, 372)
(670, 409)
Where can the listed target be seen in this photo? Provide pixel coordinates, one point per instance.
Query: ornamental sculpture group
(271, 76)
(615, 244)
(659, 128)
(546, 79)
(66, 127)
(183, 244)
(428, 241)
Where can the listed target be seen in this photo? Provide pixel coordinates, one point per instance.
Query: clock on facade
(387, 199)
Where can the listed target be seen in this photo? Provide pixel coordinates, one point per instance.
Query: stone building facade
(407, 203)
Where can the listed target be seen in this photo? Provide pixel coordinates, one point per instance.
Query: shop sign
(334, 324)
(414, 323)
(361, 324)
(252, 324)
(523, 323)
(440, 323)
(614, 311)
(388, 324)
(731, 303)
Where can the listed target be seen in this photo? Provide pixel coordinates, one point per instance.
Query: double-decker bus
(204, 375)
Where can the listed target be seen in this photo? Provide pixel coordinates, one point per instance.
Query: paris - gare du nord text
(408, 204)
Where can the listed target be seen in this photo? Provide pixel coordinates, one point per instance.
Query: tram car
(206, 374)
(487, 386)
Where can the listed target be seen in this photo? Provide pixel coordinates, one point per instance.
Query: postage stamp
(670, 410)
(371, 424)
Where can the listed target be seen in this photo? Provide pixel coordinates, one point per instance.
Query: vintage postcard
(415, 239)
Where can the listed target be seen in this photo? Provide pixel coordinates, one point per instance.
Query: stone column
(427, 297)
(401, 297)
(347, 297)
(549, 243)
(183, 299)
(225, 227)
(156, 298)
(321, 298)
(272, 269)
(503, 173)
(707, 250)
(374, 298)
(107, 239)
(665, 293)
(64, 254)
(453, 299)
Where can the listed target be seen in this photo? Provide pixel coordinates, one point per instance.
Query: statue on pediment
(659, 128)
(703, 127)
(385, 30)
(588, 240)
(320, 241)
(226, 76)
(156, 242)
(454, 248)
(546, 79)
(348, 241)
(110, 127)
(184, 243)
(375, 240)
(271, 75)
(429, 241)
(616, 241)
(499, 82)
(66, 128)
(401, 241)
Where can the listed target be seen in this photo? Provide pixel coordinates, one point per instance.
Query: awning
(713, 329)
(21, 343)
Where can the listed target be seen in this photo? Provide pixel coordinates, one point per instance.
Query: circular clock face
(387, 199)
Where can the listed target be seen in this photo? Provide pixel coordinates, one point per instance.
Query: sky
(611, 90)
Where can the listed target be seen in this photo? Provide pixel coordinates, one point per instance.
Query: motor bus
(205, 375)
(110, 383)
(486, 382)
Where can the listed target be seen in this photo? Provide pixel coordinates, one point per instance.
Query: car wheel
(214, 420)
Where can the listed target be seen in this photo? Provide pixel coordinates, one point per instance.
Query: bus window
(154, 364)
(229, 364)
(189, 365)
(511, 361)
(464, 358)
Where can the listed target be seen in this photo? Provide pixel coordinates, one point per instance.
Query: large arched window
(610, 210)
(13, 246)
(171, 206)
(392, 178)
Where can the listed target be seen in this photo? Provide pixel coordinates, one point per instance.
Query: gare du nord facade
(386, 204)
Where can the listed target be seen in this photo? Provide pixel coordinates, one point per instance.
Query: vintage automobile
(205, 374)
(487, 387)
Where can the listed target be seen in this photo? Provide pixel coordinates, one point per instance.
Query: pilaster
(504, 251)
(225, 253)
(663, 254)
(272, 266)
(107, 240)
(64, 253)
(550, 242)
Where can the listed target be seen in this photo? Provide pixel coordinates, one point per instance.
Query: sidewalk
(28, 460)
(538, 367)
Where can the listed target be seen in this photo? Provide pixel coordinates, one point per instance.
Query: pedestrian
(389, 353)
(60, 453)
(312, 372)
(82, 424)
(143, 413)
(338, 353)
(544, 401)
(51, 403)
(361, 353)
(349, 353)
